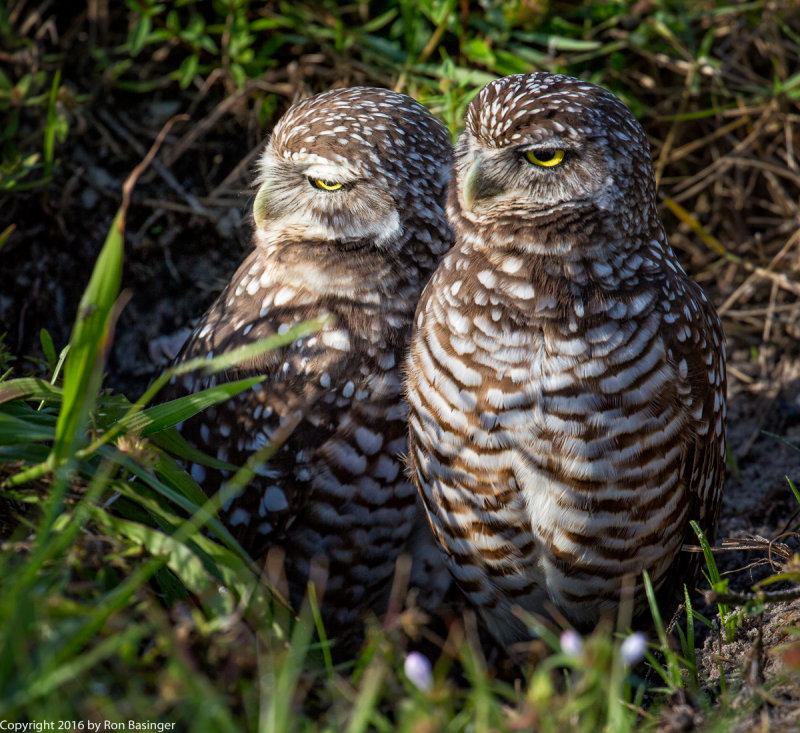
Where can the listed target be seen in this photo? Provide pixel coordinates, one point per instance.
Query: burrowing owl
(566, 378)
(349, 221)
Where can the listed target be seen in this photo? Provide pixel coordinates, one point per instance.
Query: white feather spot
(369, 442)
(284, 295)
(337, 339)
(274, 500)
(387, 468)
(240, 516)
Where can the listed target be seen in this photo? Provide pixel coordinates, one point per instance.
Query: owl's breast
(550, 447)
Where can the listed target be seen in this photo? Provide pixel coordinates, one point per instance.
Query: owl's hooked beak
(476, 184)
(260, 205)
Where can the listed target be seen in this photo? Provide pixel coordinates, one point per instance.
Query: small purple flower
(571, 643)
(418, 670)
(633, 648)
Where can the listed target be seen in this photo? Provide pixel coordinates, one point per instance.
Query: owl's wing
(698, 350)
(704, 350)
(278, 410)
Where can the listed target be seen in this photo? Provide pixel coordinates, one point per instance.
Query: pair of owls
(522, 339)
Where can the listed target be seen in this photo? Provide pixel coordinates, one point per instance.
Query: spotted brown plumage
(349, 221)
(566, 379)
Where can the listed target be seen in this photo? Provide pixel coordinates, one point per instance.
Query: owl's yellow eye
(325, 185)
(546, 157)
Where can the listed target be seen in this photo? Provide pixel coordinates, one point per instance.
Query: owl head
(543, 148)
(350, 166)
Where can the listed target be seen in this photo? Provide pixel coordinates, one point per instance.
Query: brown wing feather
(702, 348)
(233, 430)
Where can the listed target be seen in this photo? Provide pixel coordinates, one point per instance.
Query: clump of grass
(107, 477)
(27, 162)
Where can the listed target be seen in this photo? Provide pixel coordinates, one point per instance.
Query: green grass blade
(284, 669)
(6, 233)
(559, 43)
(203, 511)
(711, 563)
(781, 439)
(169, 414)
(48, 347)
(51, 681)
(89, 343)
(794, 489)
(218, 363)
(672, 662)
(235, 357)
(50, 129)
(717, 583)
(369, 694)
(689, 650)
(29, 388)
(176, 445)
(654, 609)
(177, 556)
(320, 627)
(15, 430)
